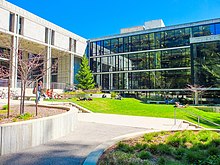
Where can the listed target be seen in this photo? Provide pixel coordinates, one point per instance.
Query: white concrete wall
(81, 47)
(21, 135)
(61, 41)
(4, 19)
(34, 30)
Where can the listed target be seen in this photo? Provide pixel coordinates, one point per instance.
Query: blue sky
(97, 18)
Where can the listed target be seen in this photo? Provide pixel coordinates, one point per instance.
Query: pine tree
(84, 75)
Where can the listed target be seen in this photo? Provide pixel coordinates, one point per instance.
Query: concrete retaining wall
(25, 134)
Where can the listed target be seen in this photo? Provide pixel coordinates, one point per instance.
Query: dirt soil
(15, 111)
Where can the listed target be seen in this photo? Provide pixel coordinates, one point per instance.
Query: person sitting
(178, 105)
(118, 96)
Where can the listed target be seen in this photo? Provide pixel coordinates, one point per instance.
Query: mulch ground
(15, 112)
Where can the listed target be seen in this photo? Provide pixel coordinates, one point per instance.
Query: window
(21, 25)
(54, 70)
(11, 22)
(52, 37)
(46, 35)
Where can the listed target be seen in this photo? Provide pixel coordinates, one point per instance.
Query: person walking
(39, 89)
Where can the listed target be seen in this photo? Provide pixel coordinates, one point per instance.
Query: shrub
(5, 107)
(193, 157)
(164, 149)
(150, 136)
(125, 147)
(140, 146)
(15, 119)
(113, 94)
(25, 116)
(213, 150)
(144, 155)
(162, 161)
(179, 153)
(211, 160)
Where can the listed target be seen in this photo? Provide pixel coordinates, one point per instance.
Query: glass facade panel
(135, 43)
(144, 42)
(114, 46)
(217, 28)
(207, 64)
(106, 46)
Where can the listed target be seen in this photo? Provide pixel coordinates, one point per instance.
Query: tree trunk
(21, 97)
(196, 98)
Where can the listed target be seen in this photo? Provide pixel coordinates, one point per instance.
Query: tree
(84, 75)
(196, 91)
(29, 70)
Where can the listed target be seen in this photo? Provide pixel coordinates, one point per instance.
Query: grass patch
(134, 107)
(25, 116)
(164, 152)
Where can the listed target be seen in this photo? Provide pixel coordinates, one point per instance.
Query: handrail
(198, 117)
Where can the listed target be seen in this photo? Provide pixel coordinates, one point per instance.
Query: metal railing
(199, 118)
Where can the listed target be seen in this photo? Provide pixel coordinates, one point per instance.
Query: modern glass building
(162, 59)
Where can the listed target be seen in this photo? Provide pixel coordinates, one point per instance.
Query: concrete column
(71, 69)
(48, 60)
(14, 61)
(14, 53)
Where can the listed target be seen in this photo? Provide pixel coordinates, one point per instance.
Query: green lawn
(134, 107)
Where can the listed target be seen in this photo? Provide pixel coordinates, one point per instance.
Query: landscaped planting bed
(30, 113)
(171, 148)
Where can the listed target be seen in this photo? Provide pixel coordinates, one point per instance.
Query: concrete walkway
(92, 131)
(71, 149)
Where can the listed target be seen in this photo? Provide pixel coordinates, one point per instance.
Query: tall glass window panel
(217, 28)
(115, 81)
(135, 80)
(179, 34)
(186, 37)
(157, 40)
(134, 61)
(120, 63)
(165, 58)
(208, 30)
(143, 80)
(154, 60)
(135, 43)
(114, 46)
(126, 44)
(144, 42)
(93, 64)
(99, 65)
(98, 48)
(105, 81)
(162, 39)
(142, 61)
(151, 41)
(120, 46)
(105, 64)
(121, 84)
(126, 62)
(169, 38)
(106, 46)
